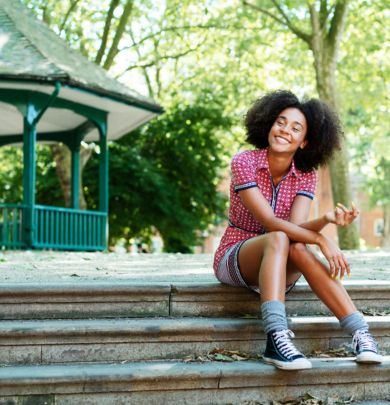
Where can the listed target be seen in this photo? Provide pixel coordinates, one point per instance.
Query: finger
(347, 267)
(347, 212)
(355, 210)
(343, 268)
(332, 267)
(339, 213)
(343, 207)
(338, 268)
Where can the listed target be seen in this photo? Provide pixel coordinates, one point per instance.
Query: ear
(303, 144)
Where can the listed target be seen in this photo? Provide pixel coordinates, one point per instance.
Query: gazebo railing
(54, 228)
(11, 226)
(66, 228)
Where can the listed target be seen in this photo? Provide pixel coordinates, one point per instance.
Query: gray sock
(351, 323)
(274, 316)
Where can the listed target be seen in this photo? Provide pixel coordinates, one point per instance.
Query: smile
(282, 140)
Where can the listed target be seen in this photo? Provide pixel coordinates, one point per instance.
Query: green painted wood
(103, 177)
(70, 138)
(29, 171)
(75, 177)
(56, 228)
(66, 228)
(11, 226)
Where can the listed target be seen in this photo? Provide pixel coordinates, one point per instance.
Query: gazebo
(50, 93)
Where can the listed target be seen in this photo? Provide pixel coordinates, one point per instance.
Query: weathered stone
(241, 380)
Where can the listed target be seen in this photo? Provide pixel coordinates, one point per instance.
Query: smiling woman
(264, 247)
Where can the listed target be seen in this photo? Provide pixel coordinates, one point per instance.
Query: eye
(297, 129)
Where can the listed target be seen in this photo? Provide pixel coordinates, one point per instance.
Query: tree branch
(315, 23)
(300, 34)
(264, 11)
(285, 21)
(179, 28)
(145, 72)
(103, 45)
(68, 13)
(337, 24)
(324, 13)
(165, 57)
(118, 35)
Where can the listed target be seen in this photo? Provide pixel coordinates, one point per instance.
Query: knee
(278, 240)
(298, 249)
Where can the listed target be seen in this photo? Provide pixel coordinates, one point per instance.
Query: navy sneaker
(365, 347)
(281, 352)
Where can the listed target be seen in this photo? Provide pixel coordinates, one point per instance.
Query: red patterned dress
(250, 169)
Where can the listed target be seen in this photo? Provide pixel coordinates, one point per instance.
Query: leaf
(375, 312)
(222, 357)
(331, 353)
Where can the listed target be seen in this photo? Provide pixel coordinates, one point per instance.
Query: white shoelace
(284, 344)
(365, 341)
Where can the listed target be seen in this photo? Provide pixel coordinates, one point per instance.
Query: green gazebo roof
(33, 57)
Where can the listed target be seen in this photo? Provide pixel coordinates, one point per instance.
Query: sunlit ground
(35, 266)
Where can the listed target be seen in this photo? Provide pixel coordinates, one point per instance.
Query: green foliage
(166, 176)
(48, 190)
(11, 175)
(380, 184)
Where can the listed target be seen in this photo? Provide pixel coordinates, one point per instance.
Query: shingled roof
(32, 56)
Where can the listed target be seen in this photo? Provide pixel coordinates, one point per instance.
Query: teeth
(282, 140)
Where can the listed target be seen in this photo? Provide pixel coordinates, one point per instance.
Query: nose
(284, 129)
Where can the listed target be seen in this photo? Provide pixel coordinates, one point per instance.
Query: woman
(264, 247)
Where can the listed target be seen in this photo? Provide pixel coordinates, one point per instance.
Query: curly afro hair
(324, 133)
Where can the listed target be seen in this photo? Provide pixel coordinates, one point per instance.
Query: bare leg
(331, 292)
(263, 262)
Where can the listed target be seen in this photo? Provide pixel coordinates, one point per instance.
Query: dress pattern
(250, 169)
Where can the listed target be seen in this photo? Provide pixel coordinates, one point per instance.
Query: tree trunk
(348, 236)
(385, 243)
(325, 65)
(63, 160)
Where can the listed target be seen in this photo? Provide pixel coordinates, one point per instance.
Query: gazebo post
(75, 150)
(103, 172)
(29, 172)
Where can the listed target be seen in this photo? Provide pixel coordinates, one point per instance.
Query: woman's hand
(338, 264)
(341, 215)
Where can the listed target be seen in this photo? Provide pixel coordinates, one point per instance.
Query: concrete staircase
(137, 343)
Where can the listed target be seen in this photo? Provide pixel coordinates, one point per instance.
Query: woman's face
(288, 133)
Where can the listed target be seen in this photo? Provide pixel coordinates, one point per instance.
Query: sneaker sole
(303, 364)
(369, 357)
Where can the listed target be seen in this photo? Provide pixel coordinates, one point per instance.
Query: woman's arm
(340, 216)
(255, 202)
(300, 212)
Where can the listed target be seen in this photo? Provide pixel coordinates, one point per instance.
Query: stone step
(100, 340)
(190, 383)
(129, 299)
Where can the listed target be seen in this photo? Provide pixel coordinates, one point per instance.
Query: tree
(166, 174)
(321, 28)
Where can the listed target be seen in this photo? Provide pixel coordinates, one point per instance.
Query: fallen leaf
(221, 357)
